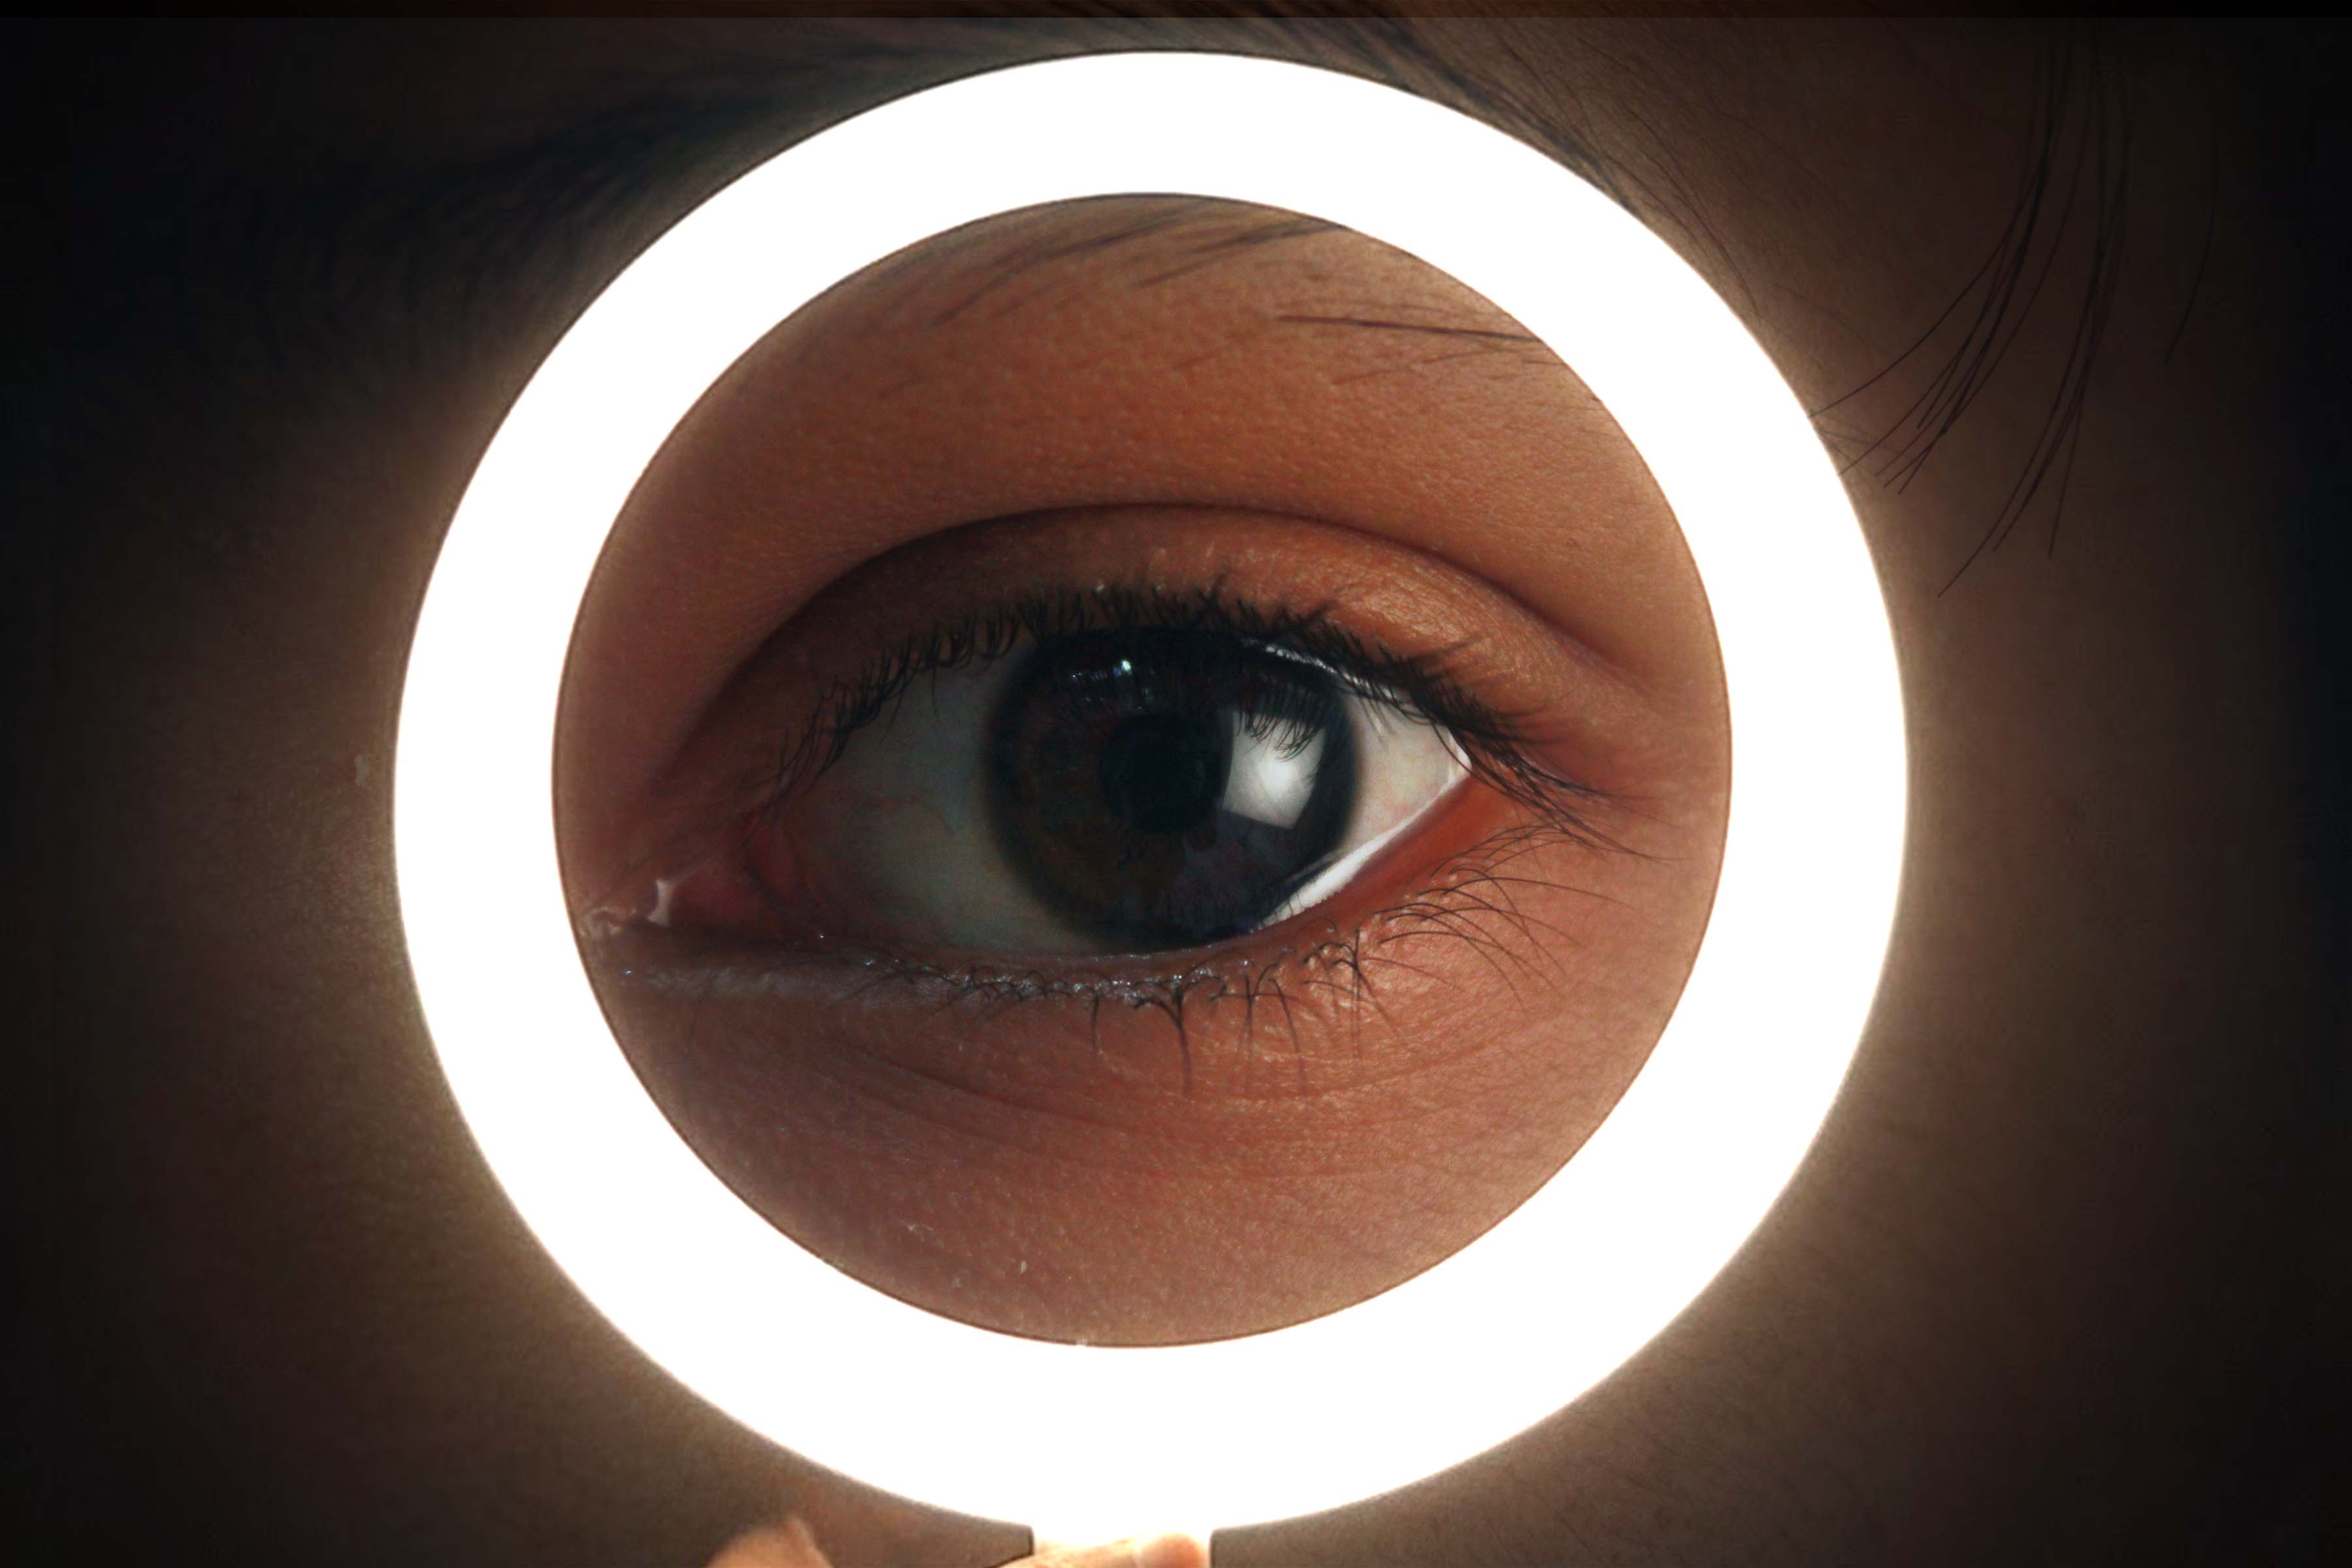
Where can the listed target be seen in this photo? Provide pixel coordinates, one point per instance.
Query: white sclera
(1090, 1443)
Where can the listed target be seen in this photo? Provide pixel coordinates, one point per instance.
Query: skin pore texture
(2062, 1279)
(1296, 1120)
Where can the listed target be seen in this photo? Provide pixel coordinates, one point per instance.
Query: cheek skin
(1163, 1176)
(298, 1322)
(289, 1286)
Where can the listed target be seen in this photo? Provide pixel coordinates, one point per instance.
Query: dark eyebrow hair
(317, 271)
(2081, 124)
(425, 256)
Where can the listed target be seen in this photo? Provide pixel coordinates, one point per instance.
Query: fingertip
(804, 1542)
(1177, 1551)
(787, 1545)
(1171, 1552)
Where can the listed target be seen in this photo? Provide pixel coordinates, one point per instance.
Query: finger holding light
(1282, 1422)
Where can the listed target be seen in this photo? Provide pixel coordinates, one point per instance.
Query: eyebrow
(2082, 123)
(711, 110)
(454, 236)
(351, 270)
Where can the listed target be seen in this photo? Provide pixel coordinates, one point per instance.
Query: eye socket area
(1285, 1119)
(846, 794)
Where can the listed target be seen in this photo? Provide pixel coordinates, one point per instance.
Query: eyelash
(1427, 688)
(1455, 898)
(1469, 886)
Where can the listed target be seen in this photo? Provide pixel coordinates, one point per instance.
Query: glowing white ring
(1099, 1442)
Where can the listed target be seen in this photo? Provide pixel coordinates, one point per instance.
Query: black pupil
(1167, 788)
(1163, 772)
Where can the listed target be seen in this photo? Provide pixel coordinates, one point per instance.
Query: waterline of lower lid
(1342, 871)
(808, 975)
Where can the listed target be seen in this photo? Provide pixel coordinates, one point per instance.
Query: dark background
(118, 132)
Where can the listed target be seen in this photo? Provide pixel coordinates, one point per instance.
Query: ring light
(1095, 1442)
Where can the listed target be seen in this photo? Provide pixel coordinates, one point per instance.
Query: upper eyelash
(1493, 744)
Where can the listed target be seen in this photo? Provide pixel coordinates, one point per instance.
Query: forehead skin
(2048, 1285)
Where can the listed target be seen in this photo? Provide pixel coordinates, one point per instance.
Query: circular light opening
(1091, 1442)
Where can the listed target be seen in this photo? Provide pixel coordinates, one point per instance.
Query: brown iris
(1168, 788)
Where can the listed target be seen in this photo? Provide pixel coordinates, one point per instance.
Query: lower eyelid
(1170, 1020)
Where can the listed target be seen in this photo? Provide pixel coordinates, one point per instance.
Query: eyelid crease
(1495, 747)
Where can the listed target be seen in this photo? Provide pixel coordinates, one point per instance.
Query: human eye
(1139, 893)
(1138, 792)
(1112, 769)
(1101, 767)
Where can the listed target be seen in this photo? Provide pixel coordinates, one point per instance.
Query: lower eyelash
(1327, 984)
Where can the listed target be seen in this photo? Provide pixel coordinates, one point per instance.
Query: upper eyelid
(1491, 743)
